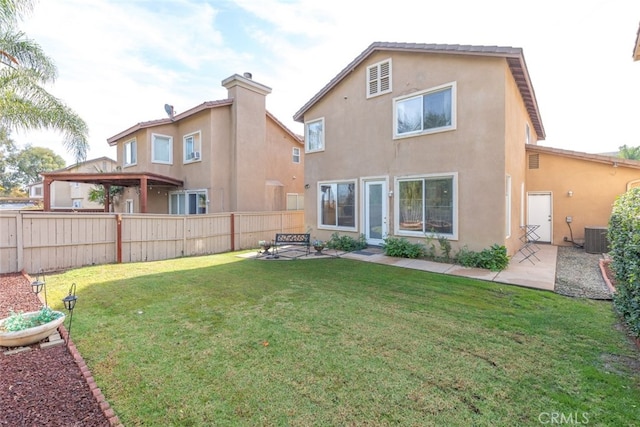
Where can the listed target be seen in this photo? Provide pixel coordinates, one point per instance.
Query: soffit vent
(534, 161)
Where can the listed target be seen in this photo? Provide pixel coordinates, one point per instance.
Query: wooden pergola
(122, 179)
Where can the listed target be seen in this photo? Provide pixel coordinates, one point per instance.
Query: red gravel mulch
(43, 386)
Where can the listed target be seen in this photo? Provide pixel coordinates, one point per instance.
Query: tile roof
(514, 57)
(205, 105)
(599, 158)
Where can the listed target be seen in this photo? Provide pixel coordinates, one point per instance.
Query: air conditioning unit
(596, 240)
(195, 155)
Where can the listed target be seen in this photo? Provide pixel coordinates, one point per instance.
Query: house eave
(579, 155)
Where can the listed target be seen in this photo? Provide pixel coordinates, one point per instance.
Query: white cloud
(120, 62)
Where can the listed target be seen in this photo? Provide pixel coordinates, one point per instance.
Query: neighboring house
(220, 156)
(68, 195)
(570, 192)
(414, 140)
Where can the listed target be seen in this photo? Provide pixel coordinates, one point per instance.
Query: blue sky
(120, 61)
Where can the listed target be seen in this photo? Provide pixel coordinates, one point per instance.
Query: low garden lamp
(70, 303)
(38, 285)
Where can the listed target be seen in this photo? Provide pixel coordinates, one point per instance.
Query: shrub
(403, 248)
(494, 258)
(624, 237)
(346, 243)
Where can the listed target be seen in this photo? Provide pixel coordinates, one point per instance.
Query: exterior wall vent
(534, 161)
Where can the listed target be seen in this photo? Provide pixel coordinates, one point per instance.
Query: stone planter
(31, 335)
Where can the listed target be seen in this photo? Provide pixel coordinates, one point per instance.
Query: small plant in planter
(318, 245)
(21, 329)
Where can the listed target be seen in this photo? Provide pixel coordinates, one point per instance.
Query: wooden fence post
(233, 232)
(119, 238)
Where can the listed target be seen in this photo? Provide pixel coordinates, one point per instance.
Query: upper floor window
(429, 111)
(314, 136)
(527, 133)
(161, 149)
(296, 155)
(191, 147)
(379, 78)
(130, 153)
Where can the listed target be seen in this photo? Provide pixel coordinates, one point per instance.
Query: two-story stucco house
(220, 156)
(410, 140)
(415, 140)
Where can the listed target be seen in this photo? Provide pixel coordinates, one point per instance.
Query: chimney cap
(248, 75)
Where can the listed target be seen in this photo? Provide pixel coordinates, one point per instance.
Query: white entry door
(375, 211)
(539, 213)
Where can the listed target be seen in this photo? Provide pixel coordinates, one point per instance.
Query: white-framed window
(295, 201)
(296, 155)
(130, 154)
(128, 206)
(379, 78)
(337, 205)
(36, 190)
(507, 207)
(190, 202)
(427, 205)
(161, 149)
(192, 147)
(314, 135)
(429, 111)
(527, 134)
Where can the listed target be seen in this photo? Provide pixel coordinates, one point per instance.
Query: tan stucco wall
(595, 187)
(516, 120)
(359, 139)
(243, 153)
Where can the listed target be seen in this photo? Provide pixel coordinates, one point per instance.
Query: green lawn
(218, 340)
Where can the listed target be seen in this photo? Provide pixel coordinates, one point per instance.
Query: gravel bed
(41, 387)
(578, 274)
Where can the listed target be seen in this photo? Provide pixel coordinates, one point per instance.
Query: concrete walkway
(537, 272)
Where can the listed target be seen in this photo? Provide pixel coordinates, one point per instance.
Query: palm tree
(24, 68)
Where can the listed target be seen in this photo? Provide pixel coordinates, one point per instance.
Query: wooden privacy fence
(34, 241)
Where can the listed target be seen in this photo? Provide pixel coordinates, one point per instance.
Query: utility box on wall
(596, 240)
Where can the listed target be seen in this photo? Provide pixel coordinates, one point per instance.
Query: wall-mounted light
(615, 164)
(306, 186)
(391, 193)
(570, 193)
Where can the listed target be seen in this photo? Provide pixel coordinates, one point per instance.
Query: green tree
(7, 150)
(24, 69)
(29, 163)
(632, 153)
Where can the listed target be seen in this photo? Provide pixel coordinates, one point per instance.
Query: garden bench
(292, 239)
